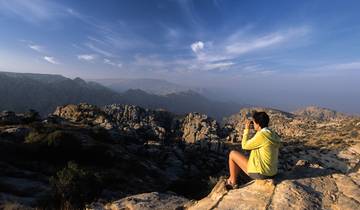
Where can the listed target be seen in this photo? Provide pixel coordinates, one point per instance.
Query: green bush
(65, 141)
(34, 137)
(73, 187)
(56, 146)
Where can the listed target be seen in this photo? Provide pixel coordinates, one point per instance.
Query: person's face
(256, 126)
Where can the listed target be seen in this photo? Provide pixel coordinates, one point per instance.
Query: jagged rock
(84, 113)
(154, 124)
(197, 127)
(145, 201)
(318, 163)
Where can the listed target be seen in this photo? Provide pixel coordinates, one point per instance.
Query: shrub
(34, 137)
(62, 140)
(57, 146)
(73, 187)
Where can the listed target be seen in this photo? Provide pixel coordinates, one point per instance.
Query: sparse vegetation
(73, 187)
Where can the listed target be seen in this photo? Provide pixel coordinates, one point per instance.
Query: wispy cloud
(109, 62)
(221, 66)
(32, 11)
(98, 50)
(228, 53)
(87, 57)
(262, 42)
(51, 60)
(239, 43)
(36, 48)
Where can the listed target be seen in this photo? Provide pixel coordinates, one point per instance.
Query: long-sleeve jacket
(264, 153)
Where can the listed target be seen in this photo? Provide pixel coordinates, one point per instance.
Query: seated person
(264, 146)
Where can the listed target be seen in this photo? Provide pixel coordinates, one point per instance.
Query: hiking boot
(229, 185)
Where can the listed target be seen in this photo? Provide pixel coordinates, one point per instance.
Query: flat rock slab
(254, 195)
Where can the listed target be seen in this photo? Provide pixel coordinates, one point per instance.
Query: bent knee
(232, 153)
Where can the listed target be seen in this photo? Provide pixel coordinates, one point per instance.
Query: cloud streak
(32, 11)
(51, 60)
(87, 57)
(36, 48)
(226, 54)
(109, 62)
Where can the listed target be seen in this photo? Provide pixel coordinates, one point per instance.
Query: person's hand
(247, 124)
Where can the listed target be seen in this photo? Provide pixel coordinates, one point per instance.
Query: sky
(282, 54)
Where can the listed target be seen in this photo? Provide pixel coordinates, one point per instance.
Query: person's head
(261, 120)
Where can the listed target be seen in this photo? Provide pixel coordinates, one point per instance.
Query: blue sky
(285, 54)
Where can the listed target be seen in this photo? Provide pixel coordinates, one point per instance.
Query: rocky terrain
(138, 158)
(319, 167)
(121, 149)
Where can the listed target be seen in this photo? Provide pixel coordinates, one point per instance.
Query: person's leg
(237, 161)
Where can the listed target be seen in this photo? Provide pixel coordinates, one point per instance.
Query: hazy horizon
(286, 55)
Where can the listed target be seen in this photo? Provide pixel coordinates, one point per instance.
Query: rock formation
(164, 154)
(319, 166)
(321, 114)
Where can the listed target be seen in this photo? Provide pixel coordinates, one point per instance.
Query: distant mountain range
(44, 92)
(153, 86)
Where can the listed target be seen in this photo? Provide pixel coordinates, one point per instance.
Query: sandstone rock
(197, 127)
(82, 112)
(254, 195)
(307, 186)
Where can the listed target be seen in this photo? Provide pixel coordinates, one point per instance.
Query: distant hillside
(319, 113)
(154, 86)
(181, 103)
(20, 92)
(44, 92)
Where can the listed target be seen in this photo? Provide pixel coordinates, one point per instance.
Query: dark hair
(261, 118)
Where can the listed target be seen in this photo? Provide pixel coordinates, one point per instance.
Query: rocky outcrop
(156, 124)
(319, 160)
(321, 114)
(83, 113)
(130, 119)
(307, 186)
(319, 167)
(197, 127)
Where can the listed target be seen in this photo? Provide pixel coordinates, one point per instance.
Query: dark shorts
(259, 176)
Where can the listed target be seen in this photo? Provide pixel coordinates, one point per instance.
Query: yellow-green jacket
(264, 153)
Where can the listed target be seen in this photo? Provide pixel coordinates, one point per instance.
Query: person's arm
(255, 142)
